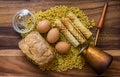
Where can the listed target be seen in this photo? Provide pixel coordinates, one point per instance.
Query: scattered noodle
(70, 60)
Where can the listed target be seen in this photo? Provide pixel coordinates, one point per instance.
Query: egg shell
(53, 35)
(43, 26)
(62, 47)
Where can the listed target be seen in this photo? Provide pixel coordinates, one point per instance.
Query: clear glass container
(21, 18)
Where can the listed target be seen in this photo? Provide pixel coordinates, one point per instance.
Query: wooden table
(13, 62)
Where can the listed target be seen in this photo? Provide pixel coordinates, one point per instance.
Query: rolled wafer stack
(79, 26)
(66, 33)
(71, 28)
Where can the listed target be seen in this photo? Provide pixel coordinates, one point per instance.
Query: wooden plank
(108, 38)
(94, 7)
(13, 63)
(11, 52)
(16, 52)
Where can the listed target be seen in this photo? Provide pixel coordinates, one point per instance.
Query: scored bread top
(36, 48)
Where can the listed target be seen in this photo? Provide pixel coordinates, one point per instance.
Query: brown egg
(62, 47)
(43, 26)
(53, 35)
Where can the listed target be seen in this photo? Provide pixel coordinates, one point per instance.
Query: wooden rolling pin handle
(100, 24)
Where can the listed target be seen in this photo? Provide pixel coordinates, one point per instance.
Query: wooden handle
(100, 24)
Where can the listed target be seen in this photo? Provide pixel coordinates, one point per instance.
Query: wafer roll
(66, 33)
(75, 33)
(86, 32)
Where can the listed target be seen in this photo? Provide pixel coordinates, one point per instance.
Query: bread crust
(36, 48)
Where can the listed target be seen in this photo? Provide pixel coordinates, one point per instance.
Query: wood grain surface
(13, 63)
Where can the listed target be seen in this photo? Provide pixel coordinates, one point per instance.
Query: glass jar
(20, 21)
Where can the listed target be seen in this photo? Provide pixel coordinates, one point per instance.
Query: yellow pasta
(70, 60)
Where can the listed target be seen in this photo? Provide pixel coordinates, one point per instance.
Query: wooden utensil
(100, 24)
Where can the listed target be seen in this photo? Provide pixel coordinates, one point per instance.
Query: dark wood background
(13, 62)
